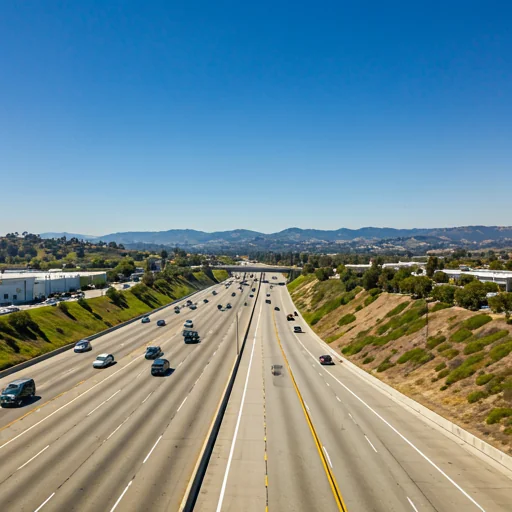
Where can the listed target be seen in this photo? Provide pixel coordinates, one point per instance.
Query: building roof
(46, 275)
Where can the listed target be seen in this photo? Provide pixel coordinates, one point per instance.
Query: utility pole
(426, 303)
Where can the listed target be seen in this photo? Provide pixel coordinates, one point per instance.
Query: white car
(103, 360)
(188, 324)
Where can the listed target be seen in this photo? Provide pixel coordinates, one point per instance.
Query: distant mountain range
(368, 238)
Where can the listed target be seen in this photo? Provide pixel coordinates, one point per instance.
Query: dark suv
(153, 352)
(160, 367)
(17, 392)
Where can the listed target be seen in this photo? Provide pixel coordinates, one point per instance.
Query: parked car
(188, 324)
(103, 360)
(326, 360)
(153, 352)
(297, 328)
(145, 320)
(160, 367)
(83, 346)
(17, 392)
(160, 323)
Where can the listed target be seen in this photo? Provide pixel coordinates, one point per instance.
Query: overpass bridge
(257, 268)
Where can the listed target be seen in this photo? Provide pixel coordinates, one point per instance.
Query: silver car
(103, 360)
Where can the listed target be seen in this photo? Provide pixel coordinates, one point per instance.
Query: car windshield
(151, 349)
(101, 358)
(11, 389)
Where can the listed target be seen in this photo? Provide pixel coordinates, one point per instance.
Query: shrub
(434, 341)
(417, 355)
(84, 304)
(476, 321)
(63, 307)
(439, 305)
(440, 367)
(475, 396)
(368, 360)
(59, 330)
(347, 319)
(358, 308)
(416, 326)
(481, 343)
(374, 292)
(398, 309)
(444, 346)
(385, 365)
(465, 370)
(484, 379)
(450, 353)
(370, 299)
(443, 373)
(443, 388)
(500, 351)
(461, 335)
(21, 321)
(382, 329)
(497, 414)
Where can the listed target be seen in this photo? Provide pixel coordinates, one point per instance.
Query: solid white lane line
(30, 460)
(44, 503)
(375, 449)
(182, 403)
(147, 397)
(67, 404)
(117, 429)
(433, 464)
(120, 497)
(151, 451)
(412, 504)
(327, 455)
(104, 402)
(237, 426)
(338, 398)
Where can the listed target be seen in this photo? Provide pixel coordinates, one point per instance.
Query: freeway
(118, 437)
(311, 437)
(296, 436)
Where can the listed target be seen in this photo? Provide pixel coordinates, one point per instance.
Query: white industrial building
(362, 267)
(25, 287)
(500, 277)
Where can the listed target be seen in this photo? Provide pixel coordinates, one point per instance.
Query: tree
(308, 269)
(440, 277)
(464, 279)
(472, 296)
(444, 293)
(371, 278)
(422, 286)
(164, 254)
(322, 274)
(496, 265)
(432, 265)
(502, 303)
(148, 279)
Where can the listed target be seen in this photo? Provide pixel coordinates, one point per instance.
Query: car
(160, 323)
(205, 301)
(191, 337)
(295, 313)
(233, 294)
(160, 367)
(193, 306)
(228, 306)
(145, 320)
(276, 308)
(326, 360)
(189, 302)
(17, 392)
(176, 310)
(188, 324)
(83, 346)
(251, 295)
(219, 306)
(268, 294)
(290, 318)
(214, 292)
(153, 352)
(268, 301)
(103, 360)
(297, 328)
(254, 289)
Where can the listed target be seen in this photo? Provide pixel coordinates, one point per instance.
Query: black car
(192, 337)
(153, 352)
(176, 310)
(17, 392)
(327, 359)
(233, 294)
(219, 306)
(297, 328)
(268, 301)
(160, 367)
(160, 323)
(228, 306)
(276, 308)
(205, 301)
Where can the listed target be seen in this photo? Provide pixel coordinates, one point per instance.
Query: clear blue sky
(130, 115)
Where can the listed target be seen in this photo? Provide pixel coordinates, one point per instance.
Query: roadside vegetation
(458, 364)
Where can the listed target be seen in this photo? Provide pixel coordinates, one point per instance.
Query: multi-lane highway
(296, 436)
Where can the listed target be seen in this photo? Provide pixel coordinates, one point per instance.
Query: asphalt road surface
(296, 436)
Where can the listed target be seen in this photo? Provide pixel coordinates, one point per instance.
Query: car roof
(159, 362)
(18, 382)
(102, 355)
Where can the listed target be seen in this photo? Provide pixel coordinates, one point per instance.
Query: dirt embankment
(456, 362)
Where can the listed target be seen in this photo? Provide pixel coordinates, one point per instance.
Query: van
(17, 392)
